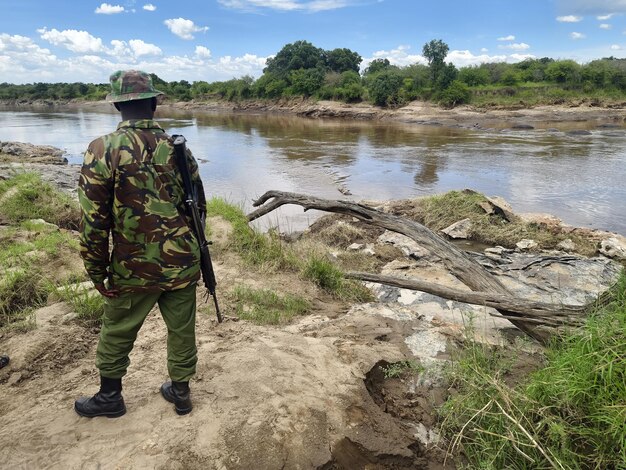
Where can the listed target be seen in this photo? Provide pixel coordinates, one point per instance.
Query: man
(130, 189)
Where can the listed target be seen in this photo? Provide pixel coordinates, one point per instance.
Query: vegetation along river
(579, 177)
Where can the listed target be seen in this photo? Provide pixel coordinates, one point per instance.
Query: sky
(211, 40)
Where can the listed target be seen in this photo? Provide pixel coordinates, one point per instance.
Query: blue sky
(64, 41)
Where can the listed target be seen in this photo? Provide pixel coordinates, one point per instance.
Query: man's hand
(109, 293)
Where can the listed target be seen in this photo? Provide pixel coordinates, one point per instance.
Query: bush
(306, 81)
(457, 93)
(384, 88)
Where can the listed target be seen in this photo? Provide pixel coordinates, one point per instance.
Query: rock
(500, 207)
(579, 132)
(408, 246)
(43, 223)
(567, 245)
(460, 229)
(24, 152)
(356, 247)
(14, 379)
(527, 245)
(540, 218)
(522, 127)
(613, 248)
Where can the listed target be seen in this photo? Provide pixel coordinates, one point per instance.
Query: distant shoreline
(415, 112)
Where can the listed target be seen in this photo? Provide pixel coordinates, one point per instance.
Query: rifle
(191, 201)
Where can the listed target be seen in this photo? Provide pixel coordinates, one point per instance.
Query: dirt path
(264, 398)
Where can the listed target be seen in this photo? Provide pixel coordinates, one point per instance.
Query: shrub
(457, 93)
(384, 88)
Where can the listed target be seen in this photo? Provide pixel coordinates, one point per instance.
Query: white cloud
(605, 17)
(568, 19)
(594, 7)
(184, 28)
(516, 46)
(576, 35)
(288, 5)
(140, 48)
(203, 52)
(510, 37)
(73, 40)
(149, 7)
(484, 49)
(108, 9)
(616, 47)
(399, 56)
(605, 26)
(23, 61)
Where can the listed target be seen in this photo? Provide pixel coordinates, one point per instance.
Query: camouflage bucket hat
(128, 85)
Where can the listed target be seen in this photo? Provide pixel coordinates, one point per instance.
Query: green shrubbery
(301, 69)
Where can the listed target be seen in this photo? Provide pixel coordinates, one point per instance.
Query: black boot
(177, 393)
(107, 402)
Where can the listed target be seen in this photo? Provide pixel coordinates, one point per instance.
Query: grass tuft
(399, 369)
(266, 251)
(327, 276)
(25, 196)
(265, 306)
(87, 303)
(568, 415)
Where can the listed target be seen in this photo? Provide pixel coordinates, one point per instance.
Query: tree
(435, 52)
(564, 72)
(306, 81)
(343, 60)
(377, 65)
(296, 56)
(474, 76)
(384, 89)
(457, 93)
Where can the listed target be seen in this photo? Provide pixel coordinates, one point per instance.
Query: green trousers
(123, 317)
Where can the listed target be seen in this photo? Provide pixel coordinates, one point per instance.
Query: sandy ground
(293, 397)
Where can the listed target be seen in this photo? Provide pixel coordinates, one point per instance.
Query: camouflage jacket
(131, 189)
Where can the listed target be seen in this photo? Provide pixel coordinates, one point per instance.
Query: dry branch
(528, 310)
(468, 271)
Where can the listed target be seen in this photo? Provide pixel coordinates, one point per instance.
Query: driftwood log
(531, 317)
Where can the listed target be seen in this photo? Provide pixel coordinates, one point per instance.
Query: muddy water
(580, 178)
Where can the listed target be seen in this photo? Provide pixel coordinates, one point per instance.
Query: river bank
(416, 112)
(348, 383)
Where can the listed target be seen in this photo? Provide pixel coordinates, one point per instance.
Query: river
(579, 178)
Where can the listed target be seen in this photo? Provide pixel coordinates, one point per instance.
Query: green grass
(265, 306)
(25, 196)
(87, 303)
(28, 252)
(269, 252)
(570, 414)
(398, 369)
(256, 248)
(538, 94)
(21, 290)
(327, 276)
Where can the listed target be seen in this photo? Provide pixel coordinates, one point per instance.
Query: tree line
(301, 69)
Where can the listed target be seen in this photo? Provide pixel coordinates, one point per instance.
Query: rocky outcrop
(21, 152)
